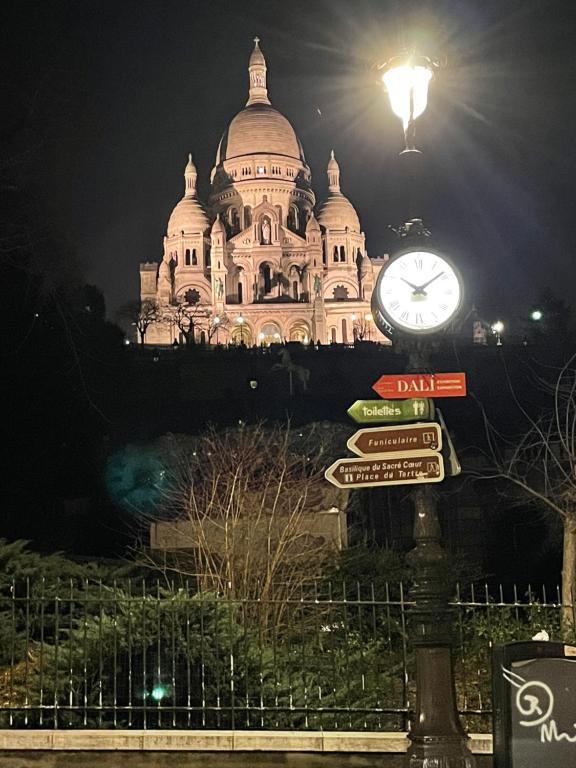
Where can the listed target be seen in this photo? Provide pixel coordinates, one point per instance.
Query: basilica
(261, 263)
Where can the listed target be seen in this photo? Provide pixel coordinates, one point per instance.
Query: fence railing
(141, 655)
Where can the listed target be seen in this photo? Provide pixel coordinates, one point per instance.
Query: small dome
(337, 213)
(312, 225)
(259, 129)
(218, 226)
(366, 266)
(188, 216)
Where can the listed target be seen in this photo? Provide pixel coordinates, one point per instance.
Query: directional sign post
(379, 411)
(394, 469)
(379, 440)
(422, 384)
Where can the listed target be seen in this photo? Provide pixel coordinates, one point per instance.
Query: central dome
(259, 129)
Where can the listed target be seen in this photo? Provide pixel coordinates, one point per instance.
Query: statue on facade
(317, 285)
(266, 231)
(219, 288)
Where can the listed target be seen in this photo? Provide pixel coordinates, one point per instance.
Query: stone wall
(211, 749)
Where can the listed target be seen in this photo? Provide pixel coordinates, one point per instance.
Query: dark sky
(107, 98)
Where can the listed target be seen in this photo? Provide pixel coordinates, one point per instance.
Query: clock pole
(437, 737)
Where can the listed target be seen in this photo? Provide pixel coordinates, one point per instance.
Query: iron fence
(141, 655)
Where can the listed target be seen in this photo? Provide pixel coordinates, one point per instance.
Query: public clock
(418, 291)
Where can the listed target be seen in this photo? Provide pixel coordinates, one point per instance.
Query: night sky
(103, 101)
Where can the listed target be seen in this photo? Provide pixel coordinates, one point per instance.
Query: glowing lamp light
(406, 79)
(159, 692)
(497, 329)
(536, 315)
(407, 88)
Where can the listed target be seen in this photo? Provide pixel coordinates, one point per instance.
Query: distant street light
(217, 324)
(497, 329)
(536, 315)
(368, 317)
(240, 321)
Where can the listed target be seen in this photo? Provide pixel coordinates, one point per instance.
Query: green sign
(383, 411)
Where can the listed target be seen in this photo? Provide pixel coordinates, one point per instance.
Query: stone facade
(262, 267)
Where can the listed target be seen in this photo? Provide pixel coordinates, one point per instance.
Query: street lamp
(217, 324)
(368, 317)
(240, 321)
(406, 79)
(536, 315)
(497, 329)
(411, 305)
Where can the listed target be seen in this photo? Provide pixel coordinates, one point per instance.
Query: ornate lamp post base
(438, 739)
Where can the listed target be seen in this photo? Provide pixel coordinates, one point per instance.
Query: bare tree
(362, 328)
(246, 514)
(190, 316)
(141, 315)
(541, 465)
(218, 328)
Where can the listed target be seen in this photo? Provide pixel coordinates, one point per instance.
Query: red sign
(397, 387)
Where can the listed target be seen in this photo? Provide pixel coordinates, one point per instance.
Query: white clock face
(418, 291)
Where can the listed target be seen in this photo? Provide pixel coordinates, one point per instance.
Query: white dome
(337, 213)
(259, 129)
(188, 216)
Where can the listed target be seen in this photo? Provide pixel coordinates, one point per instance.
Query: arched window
(265, 281)
(234, 220)
(247, 216)
(293, 218)
(335, 253)
(342, 253)
(344, 331)
(270, 334)
(295, 289)
(333, 335)
(187, 257)
(194, 257)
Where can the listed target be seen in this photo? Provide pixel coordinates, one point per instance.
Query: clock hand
(414, 287)
(420, 288)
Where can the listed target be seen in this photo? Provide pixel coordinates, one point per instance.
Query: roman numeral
(405, 315)
(419, 320)
(418, 263)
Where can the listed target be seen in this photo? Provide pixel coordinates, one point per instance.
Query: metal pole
(437, 737)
